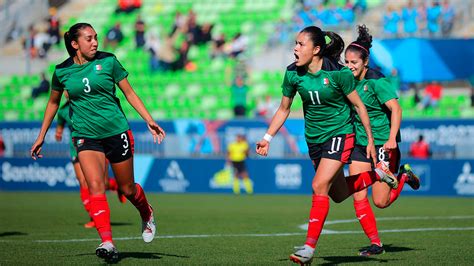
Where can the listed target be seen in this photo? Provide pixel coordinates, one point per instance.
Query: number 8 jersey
(95, 110)
(326, 109)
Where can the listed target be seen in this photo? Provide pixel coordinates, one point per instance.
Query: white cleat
(303, 255)
(149, 229)
(386, 175)
(107, 251)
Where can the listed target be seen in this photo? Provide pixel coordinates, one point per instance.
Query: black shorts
(392, 157)
(117, 148)
(338, 148)
(239, 167)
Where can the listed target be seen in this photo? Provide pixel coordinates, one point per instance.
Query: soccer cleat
(372, 250)
(386, 175)
(412, 180)
(149, 228)
(303, 255)
(90, 224)
(106, 250)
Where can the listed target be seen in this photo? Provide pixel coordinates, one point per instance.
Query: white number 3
(86, 83)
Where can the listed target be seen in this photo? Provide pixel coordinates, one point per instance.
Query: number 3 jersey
(326, 109)
(95, 110)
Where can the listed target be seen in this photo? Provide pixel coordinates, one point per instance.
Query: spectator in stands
(447, 18)
(114, 36)
(237, 45)
(410, 17)
(280, 34)
(53, 26)
(306, 15)
(139, 32)
(181, 61)
(153, 45)
(42, 88)
(433, 16)
(432, 95)
(390, 21)
(420, 149)
(360, 6)
(217, 47)
(128, 6)
(239, 97)
(204, 35)
(37, 43)
(2, 146)
(267, 107)
(422, 23)
(179, 22)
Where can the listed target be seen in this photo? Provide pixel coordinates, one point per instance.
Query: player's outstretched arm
(135, 101)
(277, 122)
(51, 109)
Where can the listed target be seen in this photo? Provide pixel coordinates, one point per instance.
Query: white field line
(325, 231)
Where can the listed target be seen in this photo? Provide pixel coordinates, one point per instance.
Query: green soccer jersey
(375, 93)
(96, 111)
(326, 110)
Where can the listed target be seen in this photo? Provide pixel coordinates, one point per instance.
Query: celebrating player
(100, 128)
(328, 128)
(380, 98)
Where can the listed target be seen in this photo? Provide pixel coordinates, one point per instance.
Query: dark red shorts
(392, 157)
(337, 148)
(117, 148)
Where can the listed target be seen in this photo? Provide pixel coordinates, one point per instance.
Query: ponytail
(334, 46)
(72, 35)
(363, 43)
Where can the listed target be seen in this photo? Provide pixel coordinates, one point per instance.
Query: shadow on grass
(333, 260)
(4, 234)
(392, 249)
(139, 255)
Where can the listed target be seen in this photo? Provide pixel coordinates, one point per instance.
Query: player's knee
(381, 204)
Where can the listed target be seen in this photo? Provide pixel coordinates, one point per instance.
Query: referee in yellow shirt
(237, 152)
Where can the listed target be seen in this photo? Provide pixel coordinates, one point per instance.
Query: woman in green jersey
(100, 128)
(327, 100)
(380, 98)
(110, 183)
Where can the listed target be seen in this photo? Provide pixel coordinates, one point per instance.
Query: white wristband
(268, 137)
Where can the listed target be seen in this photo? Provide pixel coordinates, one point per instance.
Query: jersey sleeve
(288, 89)
(345, 80)
(384, 90)
(118, 71)
(56, 84)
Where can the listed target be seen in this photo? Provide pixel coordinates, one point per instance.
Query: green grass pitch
(201, 229)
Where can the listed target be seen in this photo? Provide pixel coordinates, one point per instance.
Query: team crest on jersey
(98, 67)
(366, 88)
(80, 142)
(325, 81)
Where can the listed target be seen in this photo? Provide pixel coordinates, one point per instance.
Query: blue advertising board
(194, 137)
(269, 176)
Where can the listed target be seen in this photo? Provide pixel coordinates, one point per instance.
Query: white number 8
(86, 83)
(381, 154)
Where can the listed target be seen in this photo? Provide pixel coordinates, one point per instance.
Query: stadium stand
(202, 91)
